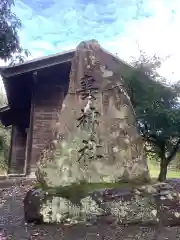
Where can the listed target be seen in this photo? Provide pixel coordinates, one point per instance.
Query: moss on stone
(75, 192)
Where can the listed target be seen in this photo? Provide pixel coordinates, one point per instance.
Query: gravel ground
(11, 221)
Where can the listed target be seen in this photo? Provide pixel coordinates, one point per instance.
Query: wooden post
(17, 152)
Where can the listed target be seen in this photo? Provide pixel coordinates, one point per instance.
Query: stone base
(150, 204)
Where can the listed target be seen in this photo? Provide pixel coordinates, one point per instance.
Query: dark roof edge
(40, 63)
(4, 109)
(37, 64)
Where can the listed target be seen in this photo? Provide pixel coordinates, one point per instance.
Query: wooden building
(35, 91)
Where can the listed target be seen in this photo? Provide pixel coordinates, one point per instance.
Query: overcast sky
(50, 26)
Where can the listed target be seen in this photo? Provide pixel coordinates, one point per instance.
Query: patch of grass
(154, 171)
(3, 172)
(3, 166)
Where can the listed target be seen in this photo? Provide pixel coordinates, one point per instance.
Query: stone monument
(81, 173)
(98, 138)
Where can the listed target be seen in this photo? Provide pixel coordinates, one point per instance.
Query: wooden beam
(37, 64)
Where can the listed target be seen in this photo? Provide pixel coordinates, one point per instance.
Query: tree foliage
(10, 48)
(157, 109)
(4, 137)
(12, 52)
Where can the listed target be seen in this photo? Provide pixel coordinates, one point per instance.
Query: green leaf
(156, 103)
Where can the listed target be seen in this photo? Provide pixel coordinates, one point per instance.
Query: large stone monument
(98, 138)
(88, 173)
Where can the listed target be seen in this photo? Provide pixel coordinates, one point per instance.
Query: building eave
(48, 61)
(37, 64)
(4, 109)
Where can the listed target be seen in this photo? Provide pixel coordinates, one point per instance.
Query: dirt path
(11, 220)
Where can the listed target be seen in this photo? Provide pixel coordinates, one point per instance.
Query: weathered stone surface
(145, 205)
(32, 205)
(121, 148)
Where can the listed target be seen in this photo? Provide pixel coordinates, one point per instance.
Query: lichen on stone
(122, 153)
(58, 209)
